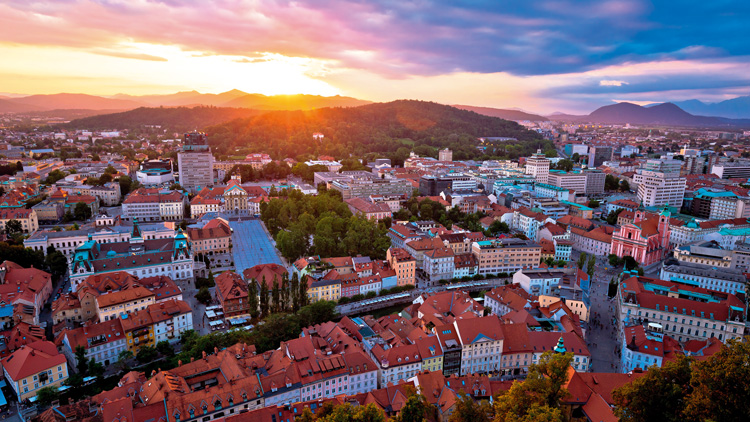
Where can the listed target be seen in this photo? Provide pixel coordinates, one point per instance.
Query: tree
(565, 165)
(498, 226)
(612, 216)
(96, 369)
(630, 262)
(146, 354)
(594, 203)
(263, 298)
(657, 396)
(575, 157)
(581, 260)
(203, 296)
(614, 260)
(416, 409)
(275, 296)
(165, 348)
(123, 359)
(252, 298)
(302, 298)
(82, 212)
(468, 410)
(125, 185)
(46, 395)
(591, 266)
(316, 313)
(720, 385)
(56, 262)
(13, 227)
(625, 186)
(82, 364)
(538, 397)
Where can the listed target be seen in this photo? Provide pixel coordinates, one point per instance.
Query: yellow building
(27, 218)
(213, 238)
(431, 353)
(33, 367)
(403, 264)
(113, 304)
(578, 307)
(506, 255)
(323, 289)
(139, 330)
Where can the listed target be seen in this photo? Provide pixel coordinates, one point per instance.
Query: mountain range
(504, 113)
(735, 108)
(665, 114)
(122, 102)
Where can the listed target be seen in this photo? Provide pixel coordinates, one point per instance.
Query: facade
(49, 211)
(397, 363)
(365, 184)
(727, 280)
(232, 294)
(506, 255)
(445, 155)
(597, 242)
(139, 330)
(599, 154)
(681, 308)
(235, 198)
(151, 204)
(27, 218)
(538, 166)
(139, 257)
(155, 172)
(195, 163)
(481, 344)
(403, 264)
(646, 239)
(659, 183)
(213, 238)
(33, 367)
(171, 318)
(112, 305)
(541, 281)
(323, 289)
(439, 264)
(371, 211)
(102, 341)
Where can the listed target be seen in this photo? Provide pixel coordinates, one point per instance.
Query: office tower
(445, 155)
(659, 183)
(538, 166)
(196, 163)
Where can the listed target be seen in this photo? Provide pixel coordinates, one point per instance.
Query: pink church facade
(645, 239)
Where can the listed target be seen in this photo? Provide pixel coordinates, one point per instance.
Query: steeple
(560, 348)
(136, 236)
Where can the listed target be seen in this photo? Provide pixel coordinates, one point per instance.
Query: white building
(659, 183)
(538, 166)
(481, 344)
(363, 372)
(397, 363)
(171, 318)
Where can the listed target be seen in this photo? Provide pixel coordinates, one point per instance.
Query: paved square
(251, 245)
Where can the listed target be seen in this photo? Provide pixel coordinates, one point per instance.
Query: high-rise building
(659, 183)
(445, 155)
(599, 154)
(196, 163)
(538, 166)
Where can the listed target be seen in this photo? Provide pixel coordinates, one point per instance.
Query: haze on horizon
(545, 56)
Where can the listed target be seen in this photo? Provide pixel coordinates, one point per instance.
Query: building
(68, 240)
(49, 211)
(597, 242)
(730, 171)
(151, 204)
(397, 363)
(445, 155)
(506, 255)
(687, 312)
(599, 154)
(323, 289)
(403, 264)
(481, 344)
(213, 238)
(235, 198)
(232, 294)
(155, 172)
(538, 166)
(365, 184)
(706, 276)
(195, 163)
(112, 305)
(645, 239)
(139, 330)
(102, 341)
(660, 183)
(542, 281)
(171, 318)
(27, 218)
(371, 211)
(439, 264)
(523, 347)
(587, 182)
(434, 185)
(137, 256)
(33, 367)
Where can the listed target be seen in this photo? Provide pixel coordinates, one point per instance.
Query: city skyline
(542, 57)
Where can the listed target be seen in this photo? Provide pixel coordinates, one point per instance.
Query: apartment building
(403, 264)
(112, 305)
(481, 344)
(397, 363)
(232, 294)
(34, 366)
(707, 276)
(27, 217)
(102, 341)
(213, 238)
(506, 255)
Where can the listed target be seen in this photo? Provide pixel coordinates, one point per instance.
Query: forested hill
(391, 129)
(176, 119)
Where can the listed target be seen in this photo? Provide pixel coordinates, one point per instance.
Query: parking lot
(252, 245)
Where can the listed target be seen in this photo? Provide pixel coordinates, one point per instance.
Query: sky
(541, 55)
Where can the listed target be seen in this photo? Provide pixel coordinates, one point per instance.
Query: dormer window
(217, 404)
(205, 409)
(176, 416)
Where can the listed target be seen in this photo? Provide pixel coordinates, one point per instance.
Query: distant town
(144, 276)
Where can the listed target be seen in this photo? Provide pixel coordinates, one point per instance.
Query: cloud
(612, 83)
(129, 55)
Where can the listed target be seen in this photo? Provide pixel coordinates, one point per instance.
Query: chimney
(204, 355)
(179, 363)
(192, 359)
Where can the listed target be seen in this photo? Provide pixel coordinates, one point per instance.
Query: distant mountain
(185, 98)
(736, 108)
(74, 101)
(504, 113)
(665, 114)
(7, 105)
(293, 102)
(172, 118)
